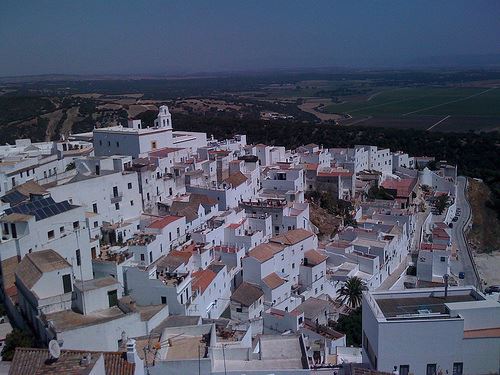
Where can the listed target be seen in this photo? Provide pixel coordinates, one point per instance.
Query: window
(163, 300)
(96, 224)
(153, 145)
(50, 234)
(76, 224)
(78, 258)
(142, 257)
(93, 252)
(66, 279)
(293, 266)
(94, 208)
(431, 369)
(458, 368)
(443, 259)
(100, 143)
(115, 191)
(113, 298)
(178, 232)
(147, 196)
(117, 144)
(129, 185)
(109, 143)
(150, 257)
(61, 229)
(117, 206)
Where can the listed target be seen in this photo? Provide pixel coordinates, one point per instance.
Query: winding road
(465, 261)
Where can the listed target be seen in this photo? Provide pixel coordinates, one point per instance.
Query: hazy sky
(120, 36)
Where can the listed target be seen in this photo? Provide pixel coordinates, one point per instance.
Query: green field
(425, 101)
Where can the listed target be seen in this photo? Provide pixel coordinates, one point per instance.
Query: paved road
(464, 263)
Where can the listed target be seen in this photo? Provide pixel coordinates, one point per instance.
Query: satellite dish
(54, 349)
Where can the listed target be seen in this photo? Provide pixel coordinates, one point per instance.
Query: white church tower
(164, 119)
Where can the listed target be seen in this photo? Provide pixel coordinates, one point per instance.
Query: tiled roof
(314, 257)
(35, 264)
(403, 187)
(236, 179)
(164, 152)
(482, 333)
(174, 260)
(202, 279)
(247, 294)
(292, 237)
(265, 251)
(163, 222)
(273, 280)
(29, 361)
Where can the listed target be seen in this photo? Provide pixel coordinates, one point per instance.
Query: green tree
(70, 166)
(441, 203)
(351, 325)
(15, 339)
(352, 292)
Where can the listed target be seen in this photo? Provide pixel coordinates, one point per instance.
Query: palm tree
(351, 292)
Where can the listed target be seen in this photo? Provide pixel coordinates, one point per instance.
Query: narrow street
(465, 260)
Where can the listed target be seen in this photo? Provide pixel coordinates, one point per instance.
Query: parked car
(492, 289)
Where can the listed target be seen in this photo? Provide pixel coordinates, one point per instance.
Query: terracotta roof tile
(273, 280)
(247, 294)
(163, 222)
(30, 361)
(236, 179)
(202, 279)
(265, 251)
(314, 257)
(292, 237)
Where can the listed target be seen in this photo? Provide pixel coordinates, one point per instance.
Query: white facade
(422, 331)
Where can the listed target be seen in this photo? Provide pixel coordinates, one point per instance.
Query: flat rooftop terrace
(421, 305)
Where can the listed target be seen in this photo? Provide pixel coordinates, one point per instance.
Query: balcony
(116, 198)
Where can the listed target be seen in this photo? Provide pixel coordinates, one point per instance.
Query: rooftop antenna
(54, 350)
(445, 277)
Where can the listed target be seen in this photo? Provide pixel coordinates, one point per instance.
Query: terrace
(420, 303)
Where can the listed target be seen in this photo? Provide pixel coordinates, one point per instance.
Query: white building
(424, 331)
(137, 141)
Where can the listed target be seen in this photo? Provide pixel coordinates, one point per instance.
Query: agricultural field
(432, 108)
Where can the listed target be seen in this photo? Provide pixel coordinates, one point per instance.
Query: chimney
(131, 351)
(86, 359)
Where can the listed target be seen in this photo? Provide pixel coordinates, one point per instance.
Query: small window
(163, 300)
(66, 279)
(458, 368)
(50, 234)
(94, 208)
(76, 224)
(109, 143)
(78, 258)
(117, 144)
(431, 369)
(96, 224)
(404, 369)
(131, 203)
(443, 259)
(117, 206)
(142, 258)
(129, 185)
(61, 229)
(93, 252)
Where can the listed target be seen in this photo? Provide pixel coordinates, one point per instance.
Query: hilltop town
(139, 249)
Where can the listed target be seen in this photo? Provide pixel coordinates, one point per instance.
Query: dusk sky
(169, 37)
